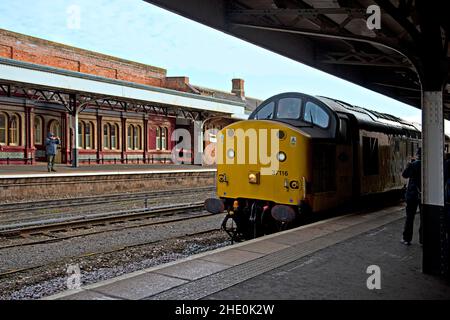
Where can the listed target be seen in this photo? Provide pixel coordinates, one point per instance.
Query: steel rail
(93, 221)
(92, 200)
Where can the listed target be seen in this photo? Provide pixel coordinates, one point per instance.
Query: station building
(113, 110)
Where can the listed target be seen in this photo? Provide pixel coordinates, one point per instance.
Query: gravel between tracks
(162, 243)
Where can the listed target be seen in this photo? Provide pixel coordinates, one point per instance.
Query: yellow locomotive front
(262, 171)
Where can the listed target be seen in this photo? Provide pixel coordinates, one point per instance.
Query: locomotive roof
(370, 118)
(367, 119)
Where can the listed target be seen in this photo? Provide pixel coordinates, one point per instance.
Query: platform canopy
(396, 52)
(53, 85)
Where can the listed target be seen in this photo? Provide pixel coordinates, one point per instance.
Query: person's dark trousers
(50, 162)
(411, 209)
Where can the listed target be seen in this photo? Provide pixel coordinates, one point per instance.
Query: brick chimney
(238, 87)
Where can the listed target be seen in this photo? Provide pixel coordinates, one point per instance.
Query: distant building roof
(250, 103)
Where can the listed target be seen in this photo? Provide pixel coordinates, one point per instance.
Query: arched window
(106, 135)
(137, 138)
(164, 138)
(130, 140)
(89, 135)
(14, 130)
(158, 138)
(114, 136)
(3, 130)
(81, 130)
(38, 125)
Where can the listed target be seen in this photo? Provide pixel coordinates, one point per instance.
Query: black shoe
(53, 170)
(49, 169)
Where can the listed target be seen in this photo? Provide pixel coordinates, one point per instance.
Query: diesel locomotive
(299, 154)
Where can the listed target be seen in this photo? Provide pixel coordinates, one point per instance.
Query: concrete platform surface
(40, 170)
(331, 259)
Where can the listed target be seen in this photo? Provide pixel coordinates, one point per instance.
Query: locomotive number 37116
(280, 173)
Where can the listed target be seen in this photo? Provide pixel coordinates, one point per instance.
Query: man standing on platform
(413, 173)
(51, 148)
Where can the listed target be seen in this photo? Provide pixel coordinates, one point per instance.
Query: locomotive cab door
(332, 183)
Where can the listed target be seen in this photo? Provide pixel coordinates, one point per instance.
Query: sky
(138, 31)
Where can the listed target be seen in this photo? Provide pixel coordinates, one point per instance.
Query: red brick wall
(25, 48)
(153, 123)
(177, 83)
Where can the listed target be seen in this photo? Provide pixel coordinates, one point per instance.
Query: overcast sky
(138, 31)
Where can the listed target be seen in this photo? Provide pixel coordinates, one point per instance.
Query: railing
(151, 159)
(8, 160)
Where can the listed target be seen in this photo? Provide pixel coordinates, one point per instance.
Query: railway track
(90, 254)
(138, 217)
(93, 200)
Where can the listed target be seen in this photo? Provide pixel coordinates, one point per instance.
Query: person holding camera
(50, 149)
(413, 194)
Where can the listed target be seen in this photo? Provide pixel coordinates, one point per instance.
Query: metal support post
(433, 183)
(74, 121)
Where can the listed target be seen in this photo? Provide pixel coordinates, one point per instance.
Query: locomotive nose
(262, 159)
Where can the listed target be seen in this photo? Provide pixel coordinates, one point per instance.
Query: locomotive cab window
(316, 115)
(265, 112)
(289, 108)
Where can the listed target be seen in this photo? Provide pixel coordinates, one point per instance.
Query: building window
(134, 135)
(80, 134)
(164, 138)
(158, 138)
(86, 135)
(106, 135)
(3, 122)
(38, 125)
(14, 131)
(114, 136)
(137, 138)
(89, 135)
(130, 137)
(370, 156)
(161, 138)
(111, 136)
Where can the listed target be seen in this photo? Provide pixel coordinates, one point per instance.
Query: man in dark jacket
(50, 149)
(413, 173)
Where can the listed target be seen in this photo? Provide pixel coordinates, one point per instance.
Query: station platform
(40, 169)
(21, 183)
(324, 260)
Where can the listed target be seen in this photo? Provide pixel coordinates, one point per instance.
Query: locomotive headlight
(281, 156)
(253, 177)
(230, 153)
